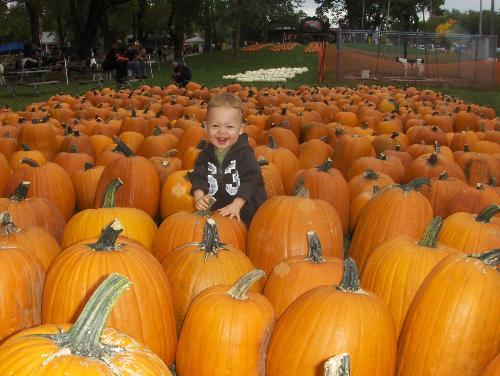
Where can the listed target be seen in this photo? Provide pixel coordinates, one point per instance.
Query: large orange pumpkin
(85, 348)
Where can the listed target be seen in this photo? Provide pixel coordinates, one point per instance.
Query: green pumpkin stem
(109, 194)
(491, 258)
(415, 184)
(30, 162)
(83, 338)
(156, 131)
(488, 213)
(109, 234)
(339, 365)
(443, 175)
(239, 290)
(123, 148)
(300, 188)
(208, 211)
(314, 250)
(466, 148)
(371, 174)
(271, 143)
(25, 147)
(430, 236)
(6, 221)
(325, 166)
(210, 243)
(87, 166)
(350, 280)
(21, 192)
(262, 161)
(74, 149)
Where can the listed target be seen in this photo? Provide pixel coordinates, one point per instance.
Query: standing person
(226, 169)
(115, 59)
(182, 74)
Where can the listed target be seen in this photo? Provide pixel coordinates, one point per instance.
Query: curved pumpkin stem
(109, 234)
(491, 258)
(83, 338)
(339, 365)
(488, 213)
(109, 194)
(239, 290)
(415, 184)
(300, 188)
(314, 251)
(325, 166)
(30, 162)
(123, 148)
(430, 236)
(6, 221)
(21, 192)
(350, 280)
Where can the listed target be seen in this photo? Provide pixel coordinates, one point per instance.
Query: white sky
(310, 6)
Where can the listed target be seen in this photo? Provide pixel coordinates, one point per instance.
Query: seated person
(182, 74)
(115, 59)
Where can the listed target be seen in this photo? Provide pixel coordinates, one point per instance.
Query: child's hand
(202, 203)
(233, 209)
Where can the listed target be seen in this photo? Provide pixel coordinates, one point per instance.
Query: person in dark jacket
(182, 74)
(226, 169)
(115, 59)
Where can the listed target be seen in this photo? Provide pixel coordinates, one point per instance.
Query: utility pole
(492, 18)
(480, 17)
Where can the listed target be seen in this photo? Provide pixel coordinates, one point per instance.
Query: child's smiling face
(223, 126)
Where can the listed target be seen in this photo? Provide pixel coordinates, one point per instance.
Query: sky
(310, 6)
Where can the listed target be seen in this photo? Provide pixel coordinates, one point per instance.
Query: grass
(208, 70)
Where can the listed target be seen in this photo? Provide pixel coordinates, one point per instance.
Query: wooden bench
(36, 85)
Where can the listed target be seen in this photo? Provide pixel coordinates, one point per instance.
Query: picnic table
(27, 76)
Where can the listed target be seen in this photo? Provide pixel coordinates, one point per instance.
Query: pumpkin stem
(433, 159)
(208, 210)
(325, 166)
(202, 144)
(492, 181)
(371, 174)
(339, 132)
(21, 192)
(156, 131)
(109, 234)
(83, 337)
(350, 280)
(210, 243)
(87, 166)
(491, 258)
(479, 187)
(300, 188)
(6, 221)
(239, 290)
(443, 175)
(271, 143)
(283, 111)
(30, 162)
(382, 156)
(109, 194)
(466, 148)
(73, 149)
(25, 147)
(262, 161)
(415, 184)
(314, 250)
(170, 153)
(339, 365)
(397, 147)
(123, 148)
(488, 213)
(430, 237)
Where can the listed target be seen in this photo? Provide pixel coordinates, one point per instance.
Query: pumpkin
(156, 144)
(49, 181)
(398, 266)
(473, 199)
(493, 368)
(273, 182)
(231, 340)
(85, 347)
(381, 163)
(25, 152)
(357, 322)
(298, 274)
(471, 233)
(82, 143)
(478, 167)
(85, 184)
(432, 167)
(366, 181)
(88, 223)
(195, 266)
(191, 154)
(77, 271)
(282, 136)
(285, 160)
(357, 205)
(442, 191)
(395, 210)
(5, 172)
(35, 239)
(141, 185)
(39, 136)
(271, 238)
(348, 149)
(186, 227)
(21, 284)
(314, 152)
(176, 194)
(72, 161)
(431, 338)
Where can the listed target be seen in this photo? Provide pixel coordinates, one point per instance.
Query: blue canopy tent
(11, 47)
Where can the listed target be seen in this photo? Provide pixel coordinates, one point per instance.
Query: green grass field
(208, 70)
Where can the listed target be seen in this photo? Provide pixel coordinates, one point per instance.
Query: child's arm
(233, 209)
(201, 200)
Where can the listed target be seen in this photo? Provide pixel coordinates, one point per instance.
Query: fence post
(339, 53)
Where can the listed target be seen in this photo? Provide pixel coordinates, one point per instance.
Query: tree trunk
(60, 31)
(176, 30)
(105, 31)
(207, 15)
(140, 21)
(33, 9)
(238, 28)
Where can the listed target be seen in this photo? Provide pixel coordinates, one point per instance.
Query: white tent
(196, 40)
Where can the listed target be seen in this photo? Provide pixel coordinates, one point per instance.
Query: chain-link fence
(403, 56)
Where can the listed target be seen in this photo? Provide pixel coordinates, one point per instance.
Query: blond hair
(225, 100)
